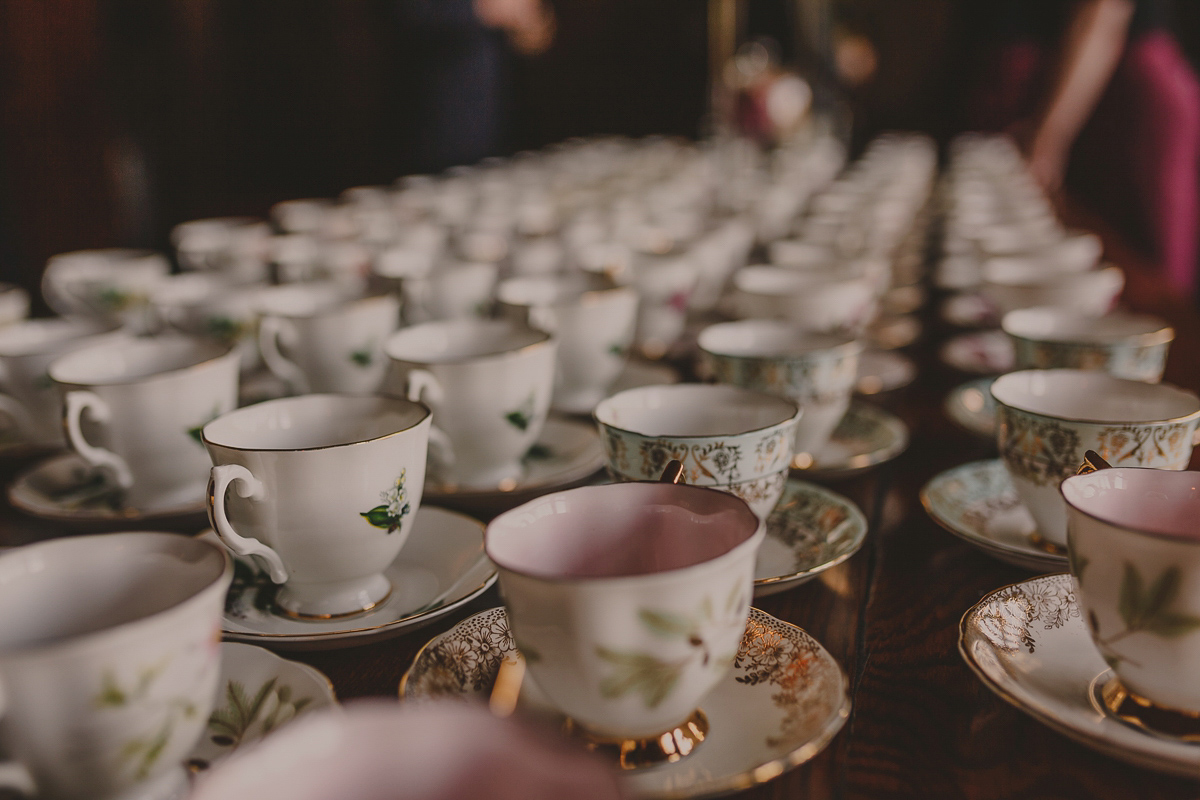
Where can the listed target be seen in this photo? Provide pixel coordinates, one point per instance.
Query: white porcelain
(797, 253)
(440, 568)
(234, 247)
(594, 326)
(627, 600)
(108, 663)
(866, 437)
(970, 405)
(14, 304)
(135, 408)
(1029, 644)
(1048, 419)
(1011, 286)
(318, 337)
(27, 349)
(816, 371)
(324, 492)
(1125, 345)
(209, 306)
(308, 215)
(732, 439)
(979, 352)
(113, 283)
(811, 301)
(665, 289)
(433, 292)
(1135, 554)
(882, 371)
(489, 384)
(782, 702)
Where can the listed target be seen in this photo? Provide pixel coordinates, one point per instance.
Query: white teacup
(593, 323)
(1048, 419)
(114, 283)
(318, 337)
(109, 663)
(1125, 345)
(1013, 285)
(326, 488)
(234, 247)
(813, 301)
(728, 438)
(628, 601)
(489, 384)
(433, 292)
(206, 305)
(817, 371)
(14, 304)
(26, 351)
(1134, 542)
(147, 400)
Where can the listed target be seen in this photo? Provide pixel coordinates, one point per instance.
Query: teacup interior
(312, 421)
(693, 410)
(619, 530)
(129, 361)
(1092, 396)
(441, 342)
(301, 300)
(766, 339)
(1164, 502)
(1052, 324)
(75, 586)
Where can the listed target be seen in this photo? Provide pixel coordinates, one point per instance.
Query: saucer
(782, 702)
(977, 503)
(866, 437)
(971, 406)
(1028, 644)
(883, 371)
(567, 452)
(891, 332)
(67, 489)
(440, 567)
(970, 310)
(810, 530)
(634, 375)
(980, 352)
(258, 692)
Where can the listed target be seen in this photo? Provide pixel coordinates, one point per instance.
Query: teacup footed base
(320, 601)
(665, 748)
(1113, 698)
(171, 785)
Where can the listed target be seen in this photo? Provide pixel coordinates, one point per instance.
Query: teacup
(728, 438)
(430, 293)
(234, 247)
(1013, 285)
(201, 304)
(665, 289)
(26, 351)
(489, 384)
(109, 661)
(113, 284)
(1125, 345)
(628, 601)
(817, 371)
(14, 304)
(147, 400)
(818, 301)
(593, 323)
(326, 488)
(1135, 554)
(1047, 419)
(319, 337)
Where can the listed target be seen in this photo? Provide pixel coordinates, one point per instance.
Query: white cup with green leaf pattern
(208, 305)
(628, 600)
(112, 284)
(134, 408)
(489, 383)
(322, 490)
(1134, 541)
(109, 663)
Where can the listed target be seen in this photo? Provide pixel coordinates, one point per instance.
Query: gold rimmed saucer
(665, 748)
(1110, 694)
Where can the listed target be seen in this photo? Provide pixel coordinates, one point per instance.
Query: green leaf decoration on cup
(645, 674)
(523, 416)
(393, 508)
(224, 329)
(539, 452)
(364, 356)
(271, 706)
(1145, 609)
(617, 350)
(113, 299)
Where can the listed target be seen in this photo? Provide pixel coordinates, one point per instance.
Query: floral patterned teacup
(817, 371)
(111, 284)
(1125, 345)
(628, 600)
(825, 301)
(325, 489)
(1135, 554)
(727, 438)
(109, 662)
(1048, 419)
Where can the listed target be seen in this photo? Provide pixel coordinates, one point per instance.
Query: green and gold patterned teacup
(1125, 345)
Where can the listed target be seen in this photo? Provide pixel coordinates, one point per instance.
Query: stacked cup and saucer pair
(630, 605)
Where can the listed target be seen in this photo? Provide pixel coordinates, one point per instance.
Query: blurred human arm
(1092, 48)
(529, 24)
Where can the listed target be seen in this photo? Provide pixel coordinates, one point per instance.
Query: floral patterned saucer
(810, 530)
(65, 488)
(978, 503)
(780, 705)
(441, 567)
(568, 452)
(980, 352)
(866, 437)
(258, 693)
(970, 406)
(1028, 644)
(970, 310)
(883, 371)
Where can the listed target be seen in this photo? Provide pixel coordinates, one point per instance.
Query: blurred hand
(528, 23)
(426, 751)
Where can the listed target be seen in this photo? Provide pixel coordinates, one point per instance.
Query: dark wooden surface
(922, 725)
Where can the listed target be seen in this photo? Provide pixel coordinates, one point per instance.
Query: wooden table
(922, 724)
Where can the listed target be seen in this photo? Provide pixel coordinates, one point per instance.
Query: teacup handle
(1092, 462)
(250, 487)
(270, 331)
(14, 408)
(74, 406)
(13, 775)
(423, 387)
(673, 472)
